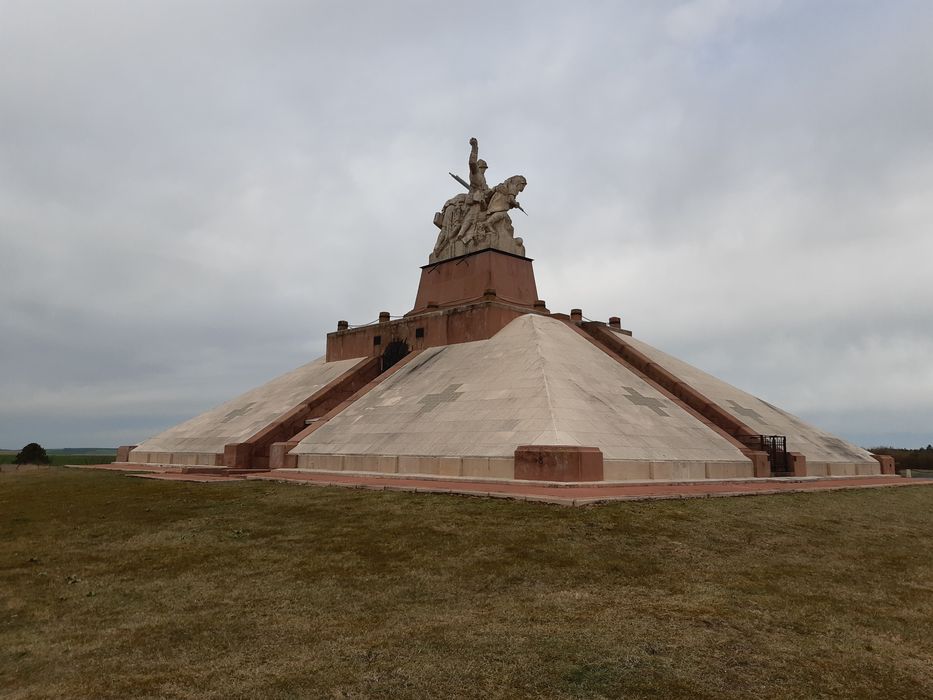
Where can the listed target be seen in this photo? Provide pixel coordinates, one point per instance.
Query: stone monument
(479, 380)
(478, 218)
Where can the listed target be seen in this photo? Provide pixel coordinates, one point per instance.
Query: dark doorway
(776, 447)
(394, 352)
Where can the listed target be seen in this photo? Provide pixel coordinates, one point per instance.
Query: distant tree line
(921, 458)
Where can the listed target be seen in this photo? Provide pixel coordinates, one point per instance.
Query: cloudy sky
(192, 193)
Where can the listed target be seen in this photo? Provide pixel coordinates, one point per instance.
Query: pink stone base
(558, 493)
(558, 463)
(886, 462)
(574, 495)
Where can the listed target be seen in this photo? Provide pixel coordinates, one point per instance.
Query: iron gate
(776, 447)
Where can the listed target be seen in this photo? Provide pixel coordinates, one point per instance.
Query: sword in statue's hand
(467, 185)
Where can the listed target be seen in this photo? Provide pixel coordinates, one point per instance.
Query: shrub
(33, 453)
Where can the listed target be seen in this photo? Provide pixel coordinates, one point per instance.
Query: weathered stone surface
(239, 418)
(558, 463)
(815, 445)
(536, 382)
(478, 218)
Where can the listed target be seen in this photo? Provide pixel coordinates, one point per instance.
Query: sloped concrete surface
(536, 382)
(239, 418)
(817, 445)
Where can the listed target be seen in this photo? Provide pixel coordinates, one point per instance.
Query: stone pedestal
(485, 274)
(558, 463)
(886, 462)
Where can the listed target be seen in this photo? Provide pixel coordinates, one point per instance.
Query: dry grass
(119, 587)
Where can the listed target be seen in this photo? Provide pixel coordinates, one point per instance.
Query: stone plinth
(797, 463)
(886, 462)
(470, 277)
(558, 463)
(123, 453)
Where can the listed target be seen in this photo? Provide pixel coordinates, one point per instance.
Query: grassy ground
(119, 587)
(61, 460)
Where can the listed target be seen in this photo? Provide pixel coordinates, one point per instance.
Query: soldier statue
(478, 218)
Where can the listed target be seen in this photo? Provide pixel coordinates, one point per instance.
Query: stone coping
(169, 468)
(588, 494)
(477, 252)
(559, 493)
(579, 484)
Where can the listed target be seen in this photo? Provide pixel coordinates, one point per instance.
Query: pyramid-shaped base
(545, 398)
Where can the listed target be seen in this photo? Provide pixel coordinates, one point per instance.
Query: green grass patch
(113, 587)
(59, 460)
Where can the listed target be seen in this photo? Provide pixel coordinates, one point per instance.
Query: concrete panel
(729, 470)
(661, 471)
(450, 466)
(817, 468)
(501, 468)
(417, 465)
(626, 470)
(841, 469)
(815, 444)
(682, 470)
(536, 382)
(238, 419)
(359, 463)
(387, 464)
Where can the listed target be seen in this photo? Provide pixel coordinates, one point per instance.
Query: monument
(479, 380)
(478, 218)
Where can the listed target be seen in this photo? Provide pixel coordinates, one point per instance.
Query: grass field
(61, 460)
(117, 587)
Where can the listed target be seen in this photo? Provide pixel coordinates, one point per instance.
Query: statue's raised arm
(477, 169)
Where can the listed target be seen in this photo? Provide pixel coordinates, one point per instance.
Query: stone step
(220, 471)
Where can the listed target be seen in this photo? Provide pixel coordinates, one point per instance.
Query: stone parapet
(461, 324)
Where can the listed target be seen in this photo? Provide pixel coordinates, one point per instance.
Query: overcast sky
(193, 193)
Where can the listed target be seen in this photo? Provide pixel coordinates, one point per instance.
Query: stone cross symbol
(747, 412)
(639, 400)
(238, 412)
(432, 401)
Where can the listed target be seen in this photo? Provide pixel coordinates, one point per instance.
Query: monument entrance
(394, 352)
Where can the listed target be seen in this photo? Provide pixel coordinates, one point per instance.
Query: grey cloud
(191, 194)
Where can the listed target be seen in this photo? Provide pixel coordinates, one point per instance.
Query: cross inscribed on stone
(747, 412)
(639, 400)
(432, 401)
(238, 412)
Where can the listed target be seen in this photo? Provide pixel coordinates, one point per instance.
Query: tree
(33, 453)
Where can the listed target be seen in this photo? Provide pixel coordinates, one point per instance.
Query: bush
(33, 453)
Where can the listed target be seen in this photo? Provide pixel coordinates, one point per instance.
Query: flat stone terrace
(545, 492)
